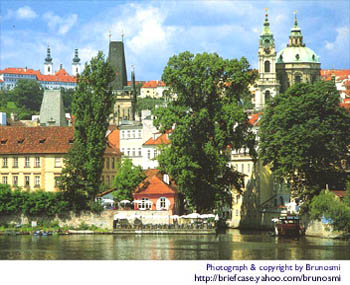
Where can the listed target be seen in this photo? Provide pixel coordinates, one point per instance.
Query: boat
(288, 225)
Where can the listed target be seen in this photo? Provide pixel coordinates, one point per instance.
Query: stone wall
(103, 220)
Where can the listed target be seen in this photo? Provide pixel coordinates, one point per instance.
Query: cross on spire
(295, 17)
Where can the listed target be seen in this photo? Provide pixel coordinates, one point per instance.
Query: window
(155, 153)
(4, 162)
(15, 162)
(144, 204)
(122, 133)
(267, 66)
(26, 181)
(133, 134)
(149, 154)
(113, 163)
(297, 78)
(57, 181)
(133, 152)
(4, 180)
(37, 162)
(37, 181)
(128, 151)
(267, 96)
(139, 133)
(128, 132)
(58, 162)
(107, 162)
(27, 162)
(140, 152)
(162, 202)
(15, 180)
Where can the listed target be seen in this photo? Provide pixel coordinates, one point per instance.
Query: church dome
(293, 54)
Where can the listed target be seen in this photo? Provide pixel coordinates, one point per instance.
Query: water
(234, 245)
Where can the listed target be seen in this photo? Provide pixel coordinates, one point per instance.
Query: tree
(304, 136)
(67, 96)
(209, 122)
(28, 94)
(127, 178)
(92, 106)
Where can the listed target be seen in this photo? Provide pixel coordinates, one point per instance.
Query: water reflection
(234, 245)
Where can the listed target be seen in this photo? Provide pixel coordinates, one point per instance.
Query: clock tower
(267, 84)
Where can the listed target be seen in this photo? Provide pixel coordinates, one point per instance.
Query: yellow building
(32, 157)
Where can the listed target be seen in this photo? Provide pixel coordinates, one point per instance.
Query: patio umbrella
(105, 201)
(193, 216)
(125, 202)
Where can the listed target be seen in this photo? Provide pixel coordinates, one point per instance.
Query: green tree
(304, 136)
(67, 96)
(327, 205)
(92, 106)
(147, 103)
(209, 122)
(28, 94)
(127, 178)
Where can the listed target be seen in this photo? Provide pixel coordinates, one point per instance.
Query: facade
(293, 64)
(33, 157)
(341, 79)
(131, 140)
(153, 89)
(151, 149)
(157, 192)
(52, 109)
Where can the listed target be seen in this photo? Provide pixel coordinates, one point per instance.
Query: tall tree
(304, 135)
(127, 178)
(209, 122)
(92, 106)
(28, 94)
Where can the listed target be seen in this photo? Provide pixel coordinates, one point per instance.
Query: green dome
(297, 54)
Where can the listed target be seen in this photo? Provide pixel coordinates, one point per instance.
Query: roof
(114, 137)
(60, 76)
(154, 184)
(339, 74)
(297, 55)
(153, 84)
(160, 140)
(254, 118)
(339, 193)
(346, 103)
(35, 140)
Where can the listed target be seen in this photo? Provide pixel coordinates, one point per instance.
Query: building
(341, 79)
(153, 89)
(124, 108)
(48, 80)
(293, 64)
(158, 192)
(33, 157)
(152, 147)
(52, 109)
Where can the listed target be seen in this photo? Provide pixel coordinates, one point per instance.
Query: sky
(156, 30)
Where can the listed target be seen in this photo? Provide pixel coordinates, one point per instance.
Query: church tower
(48, 65)
(76, 63)
(267, 84)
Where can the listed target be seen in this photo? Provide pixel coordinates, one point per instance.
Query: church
(280, 70)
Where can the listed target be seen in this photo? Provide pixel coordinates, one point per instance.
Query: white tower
(48, 65)
(76, 63)
(267, 84)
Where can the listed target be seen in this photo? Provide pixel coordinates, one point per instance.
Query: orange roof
(153, 84)
(59, 76)
(23, 140)
(340, 74)
(154, 184)
(162, 139)
(113, 137)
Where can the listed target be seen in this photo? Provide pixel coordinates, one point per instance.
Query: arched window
(297, 78)
(267, 66)
(267, 96)
(48, 68)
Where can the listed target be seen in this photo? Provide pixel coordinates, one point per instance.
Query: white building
(153, 89)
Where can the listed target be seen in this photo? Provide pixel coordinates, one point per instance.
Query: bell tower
(76, 63)
(48, 65)
(267, 84)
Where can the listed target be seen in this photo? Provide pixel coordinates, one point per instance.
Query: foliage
(96, 207)
(28, 94)
(147, 103)
(67, 96)
(92, 106)
(209, 122)
(304, 136)
(127, 178)
(31, 203)
(327, 205)
(8, 106)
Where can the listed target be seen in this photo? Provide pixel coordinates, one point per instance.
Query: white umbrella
(125, 202)
(106, 201)
(207, 216)
(193, 216)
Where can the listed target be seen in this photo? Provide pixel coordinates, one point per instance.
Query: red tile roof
(114, 137)
(154, 184)
(160, 140)
(153, 84)
(341, 74)
(59, 76)
(45, 140)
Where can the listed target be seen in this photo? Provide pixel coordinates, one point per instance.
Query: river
(234, 245)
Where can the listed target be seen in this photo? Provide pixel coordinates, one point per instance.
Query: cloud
(342, 39)
(63, 25)
(22, 13)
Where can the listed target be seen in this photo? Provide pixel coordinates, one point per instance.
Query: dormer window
(3, 141)
(42, 141)
(20, 141)
(297, 56)
(71, 141)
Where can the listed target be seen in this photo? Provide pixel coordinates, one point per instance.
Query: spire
(266, 37)
(76, 58)
(296, 37)
(48, 58)
(266, 29)
(134, 97)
